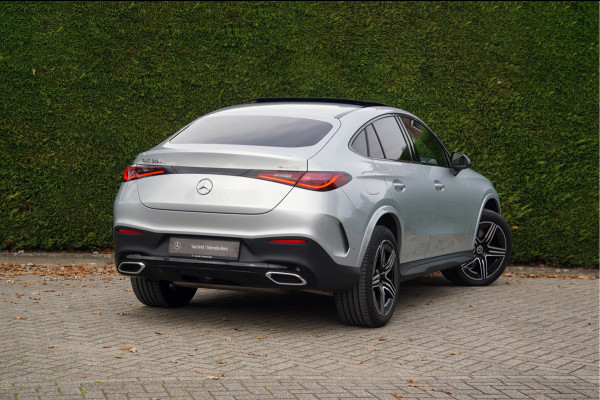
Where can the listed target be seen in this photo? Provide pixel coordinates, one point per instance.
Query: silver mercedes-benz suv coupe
(331, 195)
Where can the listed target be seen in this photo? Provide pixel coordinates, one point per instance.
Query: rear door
(451, 195)
(406, 184)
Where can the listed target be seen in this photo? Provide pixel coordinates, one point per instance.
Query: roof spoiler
(361, 103)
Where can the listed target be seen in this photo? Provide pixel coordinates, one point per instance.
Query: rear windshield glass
(255, 130)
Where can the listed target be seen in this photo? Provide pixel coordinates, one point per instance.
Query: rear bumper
(260, 264)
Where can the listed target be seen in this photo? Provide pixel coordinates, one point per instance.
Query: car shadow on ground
(292, 307)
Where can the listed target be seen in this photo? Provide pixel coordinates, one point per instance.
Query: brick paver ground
(91, 339)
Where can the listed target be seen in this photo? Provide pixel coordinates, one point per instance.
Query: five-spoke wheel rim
(489, 251)
(385, 278)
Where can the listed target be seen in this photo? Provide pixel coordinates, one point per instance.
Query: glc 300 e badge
(204, 186)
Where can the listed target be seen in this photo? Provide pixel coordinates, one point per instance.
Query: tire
(161, 293)
(491, 252)
(371, 302)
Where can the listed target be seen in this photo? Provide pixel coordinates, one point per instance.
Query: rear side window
(428, 148)
(392, 140)
(255, 130)
(360, 144)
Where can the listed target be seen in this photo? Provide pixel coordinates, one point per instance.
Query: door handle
(399, 186)
(439, 186)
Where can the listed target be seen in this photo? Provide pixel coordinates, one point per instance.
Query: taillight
(323, 181)
(140, 171)
(319, 181)
(288, 178)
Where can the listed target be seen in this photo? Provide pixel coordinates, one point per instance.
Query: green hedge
(85, 86)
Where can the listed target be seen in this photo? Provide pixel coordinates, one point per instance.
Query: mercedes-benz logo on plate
(177, 245)
(204, 186)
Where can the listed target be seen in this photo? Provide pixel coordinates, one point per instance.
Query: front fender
(491, 195)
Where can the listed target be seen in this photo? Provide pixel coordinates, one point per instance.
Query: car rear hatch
(213, 164)
(217, 181)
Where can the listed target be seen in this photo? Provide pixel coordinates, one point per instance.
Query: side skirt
(414, 269)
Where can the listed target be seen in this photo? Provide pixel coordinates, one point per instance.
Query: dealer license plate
(205, 248)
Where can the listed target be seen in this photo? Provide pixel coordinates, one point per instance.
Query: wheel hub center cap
(479, 249)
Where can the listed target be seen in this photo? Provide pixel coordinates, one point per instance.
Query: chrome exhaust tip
(131, 268)
(286, 278)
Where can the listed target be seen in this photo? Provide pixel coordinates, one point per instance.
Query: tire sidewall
(489, 216)
(368, 265)
(161, 293)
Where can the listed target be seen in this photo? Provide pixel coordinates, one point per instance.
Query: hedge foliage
(85, 86)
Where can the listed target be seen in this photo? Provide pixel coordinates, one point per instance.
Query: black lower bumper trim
(257, 258)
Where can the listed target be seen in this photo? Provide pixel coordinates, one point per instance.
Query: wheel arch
(385, 216)
(490, 202)
(391, 222)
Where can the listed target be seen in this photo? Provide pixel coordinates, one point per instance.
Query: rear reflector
(288, 241)
(141, 171)
(319, 181)
(129, 231)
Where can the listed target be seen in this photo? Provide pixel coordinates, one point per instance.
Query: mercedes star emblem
(177, 245)
(204, 186)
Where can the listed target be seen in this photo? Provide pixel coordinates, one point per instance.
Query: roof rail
(315, 100)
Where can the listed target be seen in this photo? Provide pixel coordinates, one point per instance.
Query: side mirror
(459, 162)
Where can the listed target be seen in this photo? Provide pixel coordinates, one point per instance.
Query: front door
(450, 193)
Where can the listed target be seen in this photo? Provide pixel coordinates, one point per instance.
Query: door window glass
(375, 150)
(428, 148)
(391, 138)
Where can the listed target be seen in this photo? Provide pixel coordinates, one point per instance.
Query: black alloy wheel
(491, 251)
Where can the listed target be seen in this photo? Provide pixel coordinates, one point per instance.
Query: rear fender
(371, 227)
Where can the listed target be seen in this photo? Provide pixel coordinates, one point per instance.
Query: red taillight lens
(323, 181)
(288, 241)
(129, 231)
(288, 178)
(319, 181)
(141, 171)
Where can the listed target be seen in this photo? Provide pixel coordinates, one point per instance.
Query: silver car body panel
(489, 195)
(228, 194)
(431, 223)
(321, 225)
